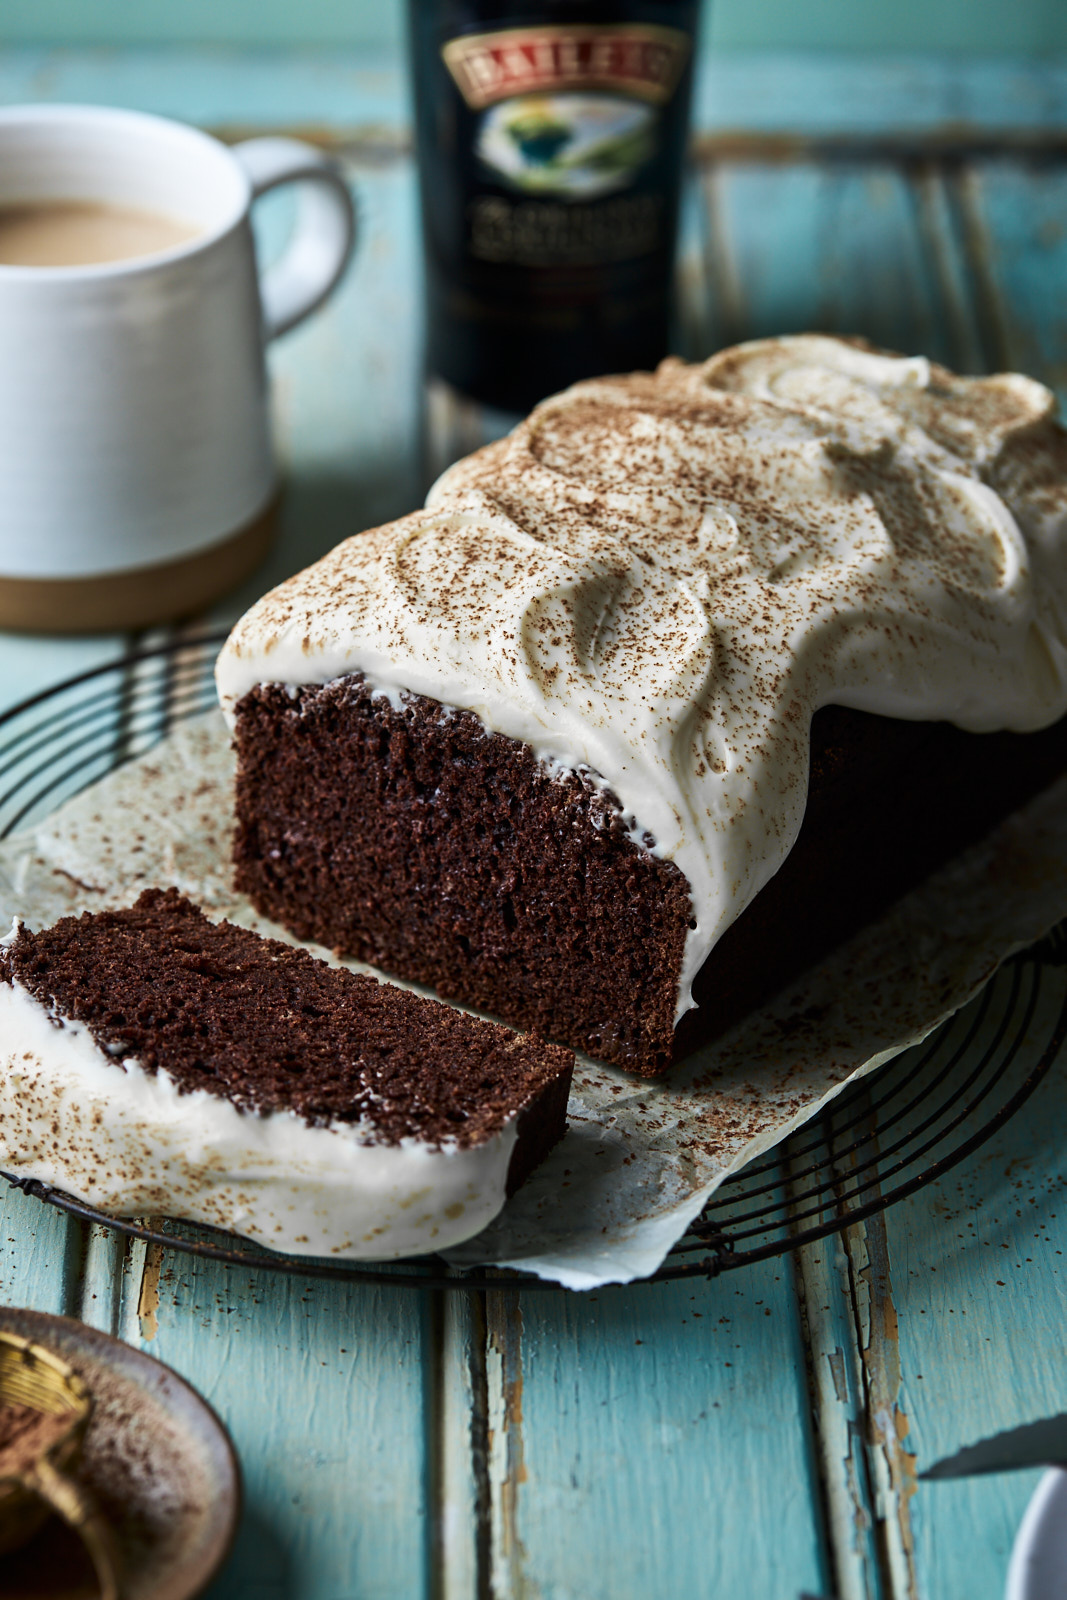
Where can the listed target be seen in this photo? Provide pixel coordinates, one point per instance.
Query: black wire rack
(878, 1142)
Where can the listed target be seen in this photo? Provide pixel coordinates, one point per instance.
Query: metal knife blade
(1035, 1444)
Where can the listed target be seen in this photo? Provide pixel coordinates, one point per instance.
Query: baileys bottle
(551, 138)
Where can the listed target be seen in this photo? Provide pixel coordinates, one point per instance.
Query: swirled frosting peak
(661, 577)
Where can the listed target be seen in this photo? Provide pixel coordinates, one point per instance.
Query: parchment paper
(640, 1158)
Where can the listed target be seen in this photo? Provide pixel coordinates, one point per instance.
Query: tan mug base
(142, 596)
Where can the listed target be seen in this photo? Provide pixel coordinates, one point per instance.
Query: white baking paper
(640, 1158)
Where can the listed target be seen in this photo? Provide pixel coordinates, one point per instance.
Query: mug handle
(325, 232)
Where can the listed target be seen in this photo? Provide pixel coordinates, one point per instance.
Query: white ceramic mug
(137, 478)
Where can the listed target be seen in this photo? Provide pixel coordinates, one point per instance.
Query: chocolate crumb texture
(446, 855)
(270, 1028)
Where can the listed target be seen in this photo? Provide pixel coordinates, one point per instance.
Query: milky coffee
(79, 233)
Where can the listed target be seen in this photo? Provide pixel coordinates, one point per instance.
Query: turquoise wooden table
(754, 1437)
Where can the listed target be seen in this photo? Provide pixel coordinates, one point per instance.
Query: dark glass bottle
(551, 138)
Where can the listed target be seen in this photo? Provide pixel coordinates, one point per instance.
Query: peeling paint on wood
(97, 1292)
(148, 1298)
(834, 1374)
(891, 1466)
(507, 1464)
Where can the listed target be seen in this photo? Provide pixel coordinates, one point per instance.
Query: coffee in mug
(81, 233)
(137, 477)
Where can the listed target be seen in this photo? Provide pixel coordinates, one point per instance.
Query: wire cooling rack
(879, 1141)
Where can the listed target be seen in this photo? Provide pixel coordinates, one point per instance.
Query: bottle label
(569, 111)
(640, 60)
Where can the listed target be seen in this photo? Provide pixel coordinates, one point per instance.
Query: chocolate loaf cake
(151, 1060)
(666, 694)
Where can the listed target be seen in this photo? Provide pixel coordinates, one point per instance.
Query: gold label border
(550, 65)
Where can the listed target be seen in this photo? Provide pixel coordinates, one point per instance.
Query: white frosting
(661, 578)
(128, 1142)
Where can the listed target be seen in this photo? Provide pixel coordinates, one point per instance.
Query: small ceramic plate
(159, 1462)
(1038, 1567)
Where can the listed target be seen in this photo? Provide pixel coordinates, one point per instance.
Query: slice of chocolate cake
(154, 1061)
(668, 692)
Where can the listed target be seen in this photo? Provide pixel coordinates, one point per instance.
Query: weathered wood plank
(820, 92)
(1012, 215)
(788, 91)
(799, 246)
(40, 1255)
(322, 1387)
(977, 1262)
(220, 86)
(652, 1441)
(457, 1413)
(835, 1372)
